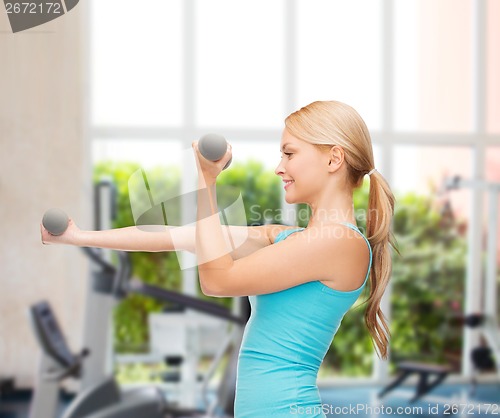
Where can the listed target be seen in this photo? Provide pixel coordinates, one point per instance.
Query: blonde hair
(331, 123)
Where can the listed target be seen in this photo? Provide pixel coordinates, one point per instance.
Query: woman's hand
(207, 169)
(70, 236)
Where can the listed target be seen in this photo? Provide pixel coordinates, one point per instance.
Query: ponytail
(378, 231)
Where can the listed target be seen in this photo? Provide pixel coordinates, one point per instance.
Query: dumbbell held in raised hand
(213, 147)
(55, 221)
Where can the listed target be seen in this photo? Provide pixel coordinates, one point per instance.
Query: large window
(425, 76)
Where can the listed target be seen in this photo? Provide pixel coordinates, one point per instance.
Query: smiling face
(302, 168)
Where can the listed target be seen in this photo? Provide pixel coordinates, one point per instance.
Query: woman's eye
(287, 154)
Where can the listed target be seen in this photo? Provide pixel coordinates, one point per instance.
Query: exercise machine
(58, 363)
(106, 400)
(425, 372)
(489, 328)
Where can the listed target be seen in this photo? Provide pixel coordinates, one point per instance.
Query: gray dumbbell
(55, 221)
(213, 147)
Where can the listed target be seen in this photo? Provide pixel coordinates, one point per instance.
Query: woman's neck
(339, 209)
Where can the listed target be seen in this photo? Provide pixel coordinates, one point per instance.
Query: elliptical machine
(106, 400)
(58, 363)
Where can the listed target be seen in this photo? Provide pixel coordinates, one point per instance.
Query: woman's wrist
(79, 238)
(206, 182)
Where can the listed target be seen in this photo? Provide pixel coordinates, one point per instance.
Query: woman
(301, 281)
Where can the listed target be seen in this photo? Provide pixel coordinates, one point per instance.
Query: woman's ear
(336, 155)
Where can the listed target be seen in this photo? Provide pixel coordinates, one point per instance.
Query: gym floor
(355, 401)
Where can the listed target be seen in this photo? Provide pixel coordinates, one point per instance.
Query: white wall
(44, 162)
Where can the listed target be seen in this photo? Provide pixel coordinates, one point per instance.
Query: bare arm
(241, 240)
(144, 238)
(173, 238)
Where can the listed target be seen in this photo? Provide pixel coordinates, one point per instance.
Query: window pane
(146, 153)
(239, 63)
(433, 66)
(416, 168)
(339, 60)
(492, 168)
(493, 66)
(136, 62)
(445, 65)
(431, 231)
(267, 153)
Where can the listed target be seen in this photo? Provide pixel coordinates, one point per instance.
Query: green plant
(428, 281)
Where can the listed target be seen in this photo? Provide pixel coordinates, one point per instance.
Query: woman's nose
(279, 169)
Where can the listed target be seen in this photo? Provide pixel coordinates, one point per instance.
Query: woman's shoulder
(340, 251)
(273, 230)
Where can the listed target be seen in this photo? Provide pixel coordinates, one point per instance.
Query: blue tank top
(284, 343)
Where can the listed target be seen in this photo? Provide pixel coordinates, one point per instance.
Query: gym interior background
(115, 82)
